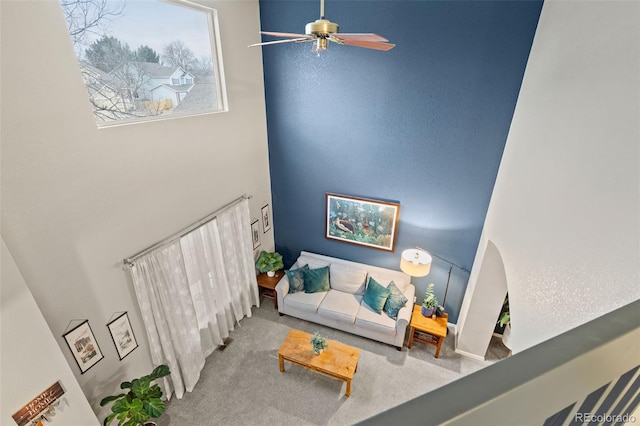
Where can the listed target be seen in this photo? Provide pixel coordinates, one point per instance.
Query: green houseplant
(269, 262)
(140, 403)
(319, 343)
(430, 303)
(504, 320)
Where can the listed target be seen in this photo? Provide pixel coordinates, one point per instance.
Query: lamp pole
(446, 290)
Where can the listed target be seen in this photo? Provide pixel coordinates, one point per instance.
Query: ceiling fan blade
(369, 44)
(276, 34)
(361, 37)
(291, 40)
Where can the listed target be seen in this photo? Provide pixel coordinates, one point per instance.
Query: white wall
(31, 359)
(565, 210)
(77, 200)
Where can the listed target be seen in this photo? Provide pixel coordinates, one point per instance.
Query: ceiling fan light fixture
(321, 27)
(321, 44)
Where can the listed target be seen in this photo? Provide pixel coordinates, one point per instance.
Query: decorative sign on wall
(38, 404)
(362, 221)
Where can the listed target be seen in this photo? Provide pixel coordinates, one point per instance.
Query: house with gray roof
(163, 82)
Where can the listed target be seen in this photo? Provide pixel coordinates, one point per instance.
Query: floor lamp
(417, 263)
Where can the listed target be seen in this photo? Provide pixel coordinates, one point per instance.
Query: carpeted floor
(242, 384)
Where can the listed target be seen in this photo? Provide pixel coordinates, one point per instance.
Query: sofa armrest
(404, 315)
(282, 289)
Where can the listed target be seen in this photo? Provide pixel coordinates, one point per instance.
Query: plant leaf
(108, 419)
(108, 399)
(138, 413)
(155, 392)
(154, 407)
(159, 371)
(120, 406)
(125, 385)
(141, 386)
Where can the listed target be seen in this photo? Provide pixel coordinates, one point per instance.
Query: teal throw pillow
(296, 279)
(376, 295)
(395, 301)
(316, 280)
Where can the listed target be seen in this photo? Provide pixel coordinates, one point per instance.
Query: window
(147, 60)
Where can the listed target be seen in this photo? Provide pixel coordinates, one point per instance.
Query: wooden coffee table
(338, 361)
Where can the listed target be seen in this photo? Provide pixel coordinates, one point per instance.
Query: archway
(482, 303)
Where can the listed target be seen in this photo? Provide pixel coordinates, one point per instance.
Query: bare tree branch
(178, 54)
(86, 17)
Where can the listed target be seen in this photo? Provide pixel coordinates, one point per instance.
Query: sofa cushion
(316, 279)
(307, 302)
(370, 320)
(375, 295)
(395, 301)
(340, 306)
(311, 261)
(348, 280)
(296, 279)
(385, 278)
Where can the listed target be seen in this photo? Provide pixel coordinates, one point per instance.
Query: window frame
(220, 104)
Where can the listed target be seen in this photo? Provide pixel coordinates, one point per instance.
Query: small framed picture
(266, 218)
(255, 234)
(84, 346)
(122, 335)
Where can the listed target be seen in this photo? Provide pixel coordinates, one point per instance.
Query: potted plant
(140, 403)
(505, 321)
(430, 302)
(269, 262)
(319, 343)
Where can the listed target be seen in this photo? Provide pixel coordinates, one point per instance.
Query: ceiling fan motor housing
(321, 28)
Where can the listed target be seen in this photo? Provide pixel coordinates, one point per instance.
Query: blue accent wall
(423, 124)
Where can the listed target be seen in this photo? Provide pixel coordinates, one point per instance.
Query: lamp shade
(415, 262)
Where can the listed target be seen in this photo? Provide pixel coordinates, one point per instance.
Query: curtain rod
(128, 261)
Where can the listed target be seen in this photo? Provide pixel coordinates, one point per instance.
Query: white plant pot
(506, 336)
(271, 273)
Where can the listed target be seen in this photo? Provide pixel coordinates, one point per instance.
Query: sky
(156, 23)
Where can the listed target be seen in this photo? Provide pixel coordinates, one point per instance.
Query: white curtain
(192, 291)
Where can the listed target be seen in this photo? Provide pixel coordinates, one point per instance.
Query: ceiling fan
(321, 31)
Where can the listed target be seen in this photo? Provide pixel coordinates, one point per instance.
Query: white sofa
(341, 307)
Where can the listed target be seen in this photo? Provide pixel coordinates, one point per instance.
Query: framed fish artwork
(371, 223)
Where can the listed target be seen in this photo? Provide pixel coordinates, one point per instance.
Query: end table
(267, 286)
(435, 328)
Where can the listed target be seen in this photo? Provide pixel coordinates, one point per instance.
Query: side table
(435, 328)
(267, 286)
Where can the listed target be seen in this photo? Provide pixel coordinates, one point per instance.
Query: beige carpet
(242, 385)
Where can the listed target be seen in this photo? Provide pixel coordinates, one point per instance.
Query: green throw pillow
(296, 279)
(376, 295)
(395, 302)
(316, 280)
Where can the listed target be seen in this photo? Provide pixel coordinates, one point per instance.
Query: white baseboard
(470, 355)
